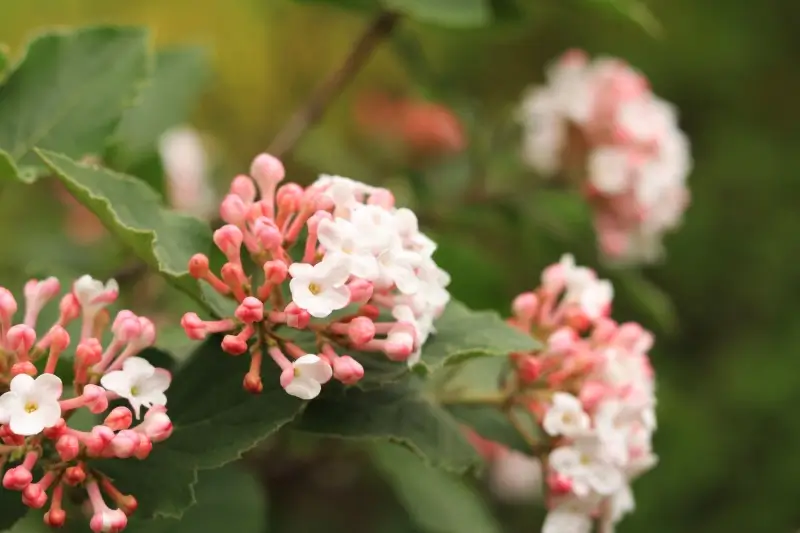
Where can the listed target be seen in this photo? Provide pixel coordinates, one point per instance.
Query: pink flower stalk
(599, 125)
(360, 256)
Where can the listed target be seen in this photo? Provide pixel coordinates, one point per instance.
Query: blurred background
(723, 303)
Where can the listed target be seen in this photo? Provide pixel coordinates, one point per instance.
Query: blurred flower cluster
(598, 124)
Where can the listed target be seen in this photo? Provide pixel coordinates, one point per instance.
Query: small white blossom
(341, 237)
(610, 170)
(310, 373)
(566, 416)
(320, 289)
(567, 521)
(139, 382)
(93, 295)
(31, 405)
(588, 472)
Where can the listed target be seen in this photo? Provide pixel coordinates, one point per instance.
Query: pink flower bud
(562, 341)
(157, 425)
(75, 475)
(144, 448)
(125, 443)
(559, 484)
(525, 306)
(530, 368)
(33, 496)
(119, 418)
(295, 317)
(198, 266)
(89, 352)
(243, 187)
(95, 398)
(289, 197)
(194, 326)
(267, 171)
(361, 330)
(267, 233)
(250, 310)
(68, 447)
(347, 370)
(23, 367)
(360, 291)
(287, 375)
(148, 336)
(105, 434)
(59, 338)
(592, 393)
(229, 239)
(53, 433)
(315, 219)
(55, 518)
(252, 383)
(234, 345)
(233, 210)
(20, 338)
(108, 521)
(37, 293)
(17, 478)
(126, 326)
(8, 305)
(400, 341)
(69, 307)
(382, 197)
(275, 271)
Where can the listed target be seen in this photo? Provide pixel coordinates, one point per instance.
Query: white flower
(588, 472)
(413, 239)
(186, 167)
(622, 503)
(376, 228)
(592, 295)
(341, 237)
(566, 416)
(320, 289)
(346, 193)
(609, 169)
(139, 382)
(93, 295)
(516, 476)
(310, 373)
(566, 521)
(397, 267)
(31, 405)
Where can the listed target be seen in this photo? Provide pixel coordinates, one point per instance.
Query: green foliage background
(726, 359)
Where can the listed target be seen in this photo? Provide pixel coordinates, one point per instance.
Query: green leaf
(463, 334)
(634, 10)
(345, 4)
(132, 211)
(397, 412)
(11, 507)
(436, 501)
(215, 421)
(179, 77)
(490, 423)
(449, 13)
(68, 94)
(4, 59)
(225, 496)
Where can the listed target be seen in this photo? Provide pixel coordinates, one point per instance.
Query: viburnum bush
(291, 314)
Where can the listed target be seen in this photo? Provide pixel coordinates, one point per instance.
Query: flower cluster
(591, 388)
(363, 277)
(598, 123)
(33, 415)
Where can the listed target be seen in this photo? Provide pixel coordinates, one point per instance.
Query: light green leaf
(345, 4)
(179, 77)
(225, 496)
(67, 94)
(436, 501)
(397, 412)
(449, 13)
(4, 59)
(215, 421)
(463, 334)
(132, 211)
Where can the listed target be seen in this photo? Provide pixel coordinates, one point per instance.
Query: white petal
(329, 234)
(47, 387)
(301, 295)
(333, 270)
(119, 382)
(313, 367)
(138, 368)
(153, 398)
(405, 279)
(364, 266)
(305, 389)
(22, 384)
(10, 403)
(158, 382)
(336, 298)
(301, 270)
(26, 424)
(49, 413)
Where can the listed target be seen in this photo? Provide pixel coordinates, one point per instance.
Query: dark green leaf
(131, 210)
(225, 496)
(634, 10)
(449, 13)
(215, 422)
(4, 60)
(463, 334)
(490, 423)
(68, 94)
(180, 74)
(436, 501)
(397, 412)
(345, 4)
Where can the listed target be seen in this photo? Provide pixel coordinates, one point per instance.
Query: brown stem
(308, 115)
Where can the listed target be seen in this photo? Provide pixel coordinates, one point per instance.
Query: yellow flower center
(568, 418)
(585, 459)
(314, 288)
(134, 391)
(30, 407)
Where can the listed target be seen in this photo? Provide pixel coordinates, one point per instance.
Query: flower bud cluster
(34, 417)
(599, 123)
(358, 273)
(591, 389)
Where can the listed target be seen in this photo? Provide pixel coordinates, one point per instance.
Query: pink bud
(157, 425)
(316, 218)
(295, 317)
(592, 393)
(234, 345)
(287, 376)
(119, 418)
(530, 368)
(95, 398)
(275, 271)
(194, 326)
(267, 233)
(525, 306)
(229, 239)
(144, 448)
(267, 171)
(105, 434)
(148, 336)
(198, 266)
(400, 341)
(382, 197)
(126, 326)
(68, 447)
(37, 293)
(23, 367)
(8, 305)
(233, 210)
(21, 338)
(360, 291)
(347, 370)
(562, 341)
(75, 475)
(17, 478)
(250, 310)
(559, 484)
(33, 496)
(108, 521)
(361, 330)
(54, 432)
(59, 338)
(55, 518)
(89, 352)
(69, 307)
(125, 443)
(243, 187)
(289, 197)
(252, 383)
